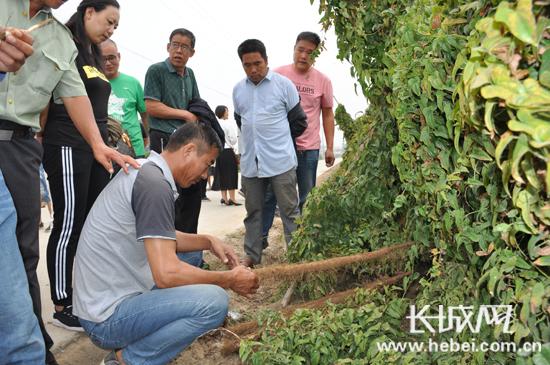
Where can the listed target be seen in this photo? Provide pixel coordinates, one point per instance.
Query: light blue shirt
(267, 149)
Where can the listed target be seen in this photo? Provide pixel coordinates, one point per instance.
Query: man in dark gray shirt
(137, 288)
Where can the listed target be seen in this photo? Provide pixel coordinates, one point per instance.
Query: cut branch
(289, 271)
(250, 329)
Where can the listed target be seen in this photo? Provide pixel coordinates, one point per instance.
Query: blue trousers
(20, 339)
(155, 326)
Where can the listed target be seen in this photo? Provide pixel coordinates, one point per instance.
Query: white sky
(219, 27)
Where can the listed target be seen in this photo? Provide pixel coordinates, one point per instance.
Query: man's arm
(189, 242)
(15, 47)
(328, 128)
(169, 271)
(81, 113)
(145, 121)
(160, 110)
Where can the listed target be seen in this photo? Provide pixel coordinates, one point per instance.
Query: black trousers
(188, 204)
(76, 180)
(20, 161)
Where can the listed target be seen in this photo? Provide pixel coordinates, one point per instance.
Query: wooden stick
(288, 294)
(4, 32)
(39, 25)
(288, 271)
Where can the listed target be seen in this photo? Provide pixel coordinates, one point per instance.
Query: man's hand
(244, 281)
(190, 117)
(15, 47)
(329, 157)
(106, 155)
(224, 252)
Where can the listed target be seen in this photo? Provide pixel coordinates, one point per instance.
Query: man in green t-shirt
(126, 99)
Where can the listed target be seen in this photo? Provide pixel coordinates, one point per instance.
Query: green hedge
(452, 154)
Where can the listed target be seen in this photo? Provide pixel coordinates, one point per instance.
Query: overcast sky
(219, 27)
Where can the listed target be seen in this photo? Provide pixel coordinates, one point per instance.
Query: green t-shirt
(162, 83)
(125, 102)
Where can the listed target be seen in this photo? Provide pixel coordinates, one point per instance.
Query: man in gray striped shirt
(138, 290)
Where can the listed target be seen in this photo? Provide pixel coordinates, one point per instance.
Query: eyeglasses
(184, 47)
(110, 58)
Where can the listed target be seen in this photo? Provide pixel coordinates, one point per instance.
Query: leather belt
(10, 130)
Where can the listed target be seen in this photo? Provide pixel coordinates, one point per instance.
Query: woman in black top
(76, 179)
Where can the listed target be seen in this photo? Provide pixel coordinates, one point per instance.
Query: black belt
(10, 130)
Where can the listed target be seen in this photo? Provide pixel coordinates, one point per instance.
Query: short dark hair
(310, 37)
(183, 32)
(198, 132)
(252, 46)
(109, 40)
(220, 110)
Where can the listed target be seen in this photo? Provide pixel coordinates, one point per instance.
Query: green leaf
(527, 94)
(480, 154)
(494, 276)
(524, 313)
(543, 357)
(537, 293)
(521, 22)
(524, 201)
(520, 149)
(543, 261)
(544, 71)
(488, 118)
(537, 129)
(506, 174)
(530, 173)
(501, 146)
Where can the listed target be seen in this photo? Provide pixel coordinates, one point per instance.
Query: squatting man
(138, 290)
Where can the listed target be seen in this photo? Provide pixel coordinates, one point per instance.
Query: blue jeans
(155, 326)
(20, 339)
(306, 175)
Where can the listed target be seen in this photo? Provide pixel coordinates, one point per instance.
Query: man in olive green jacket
(25, 91)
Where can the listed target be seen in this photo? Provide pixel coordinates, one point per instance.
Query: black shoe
(223, 202)
(205, 198)
(66, 319)
(232, 202)
(50, 359)
(265, 243)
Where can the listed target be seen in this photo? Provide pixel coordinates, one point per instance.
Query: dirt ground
(207, 349)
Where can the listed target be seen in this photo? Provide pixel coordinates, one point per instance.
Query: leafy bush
(452, 154)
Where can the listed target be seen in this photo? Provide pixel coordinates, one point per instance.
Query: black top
(60, 129)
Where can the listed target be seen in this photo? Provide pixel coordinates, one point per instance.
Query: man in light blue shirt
(268, 112)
